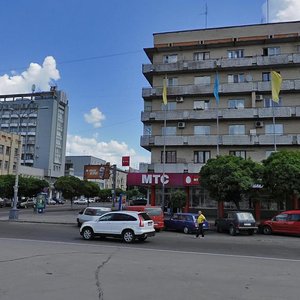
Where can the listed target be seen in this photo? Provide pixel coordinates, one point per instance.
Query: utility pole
(114, 181)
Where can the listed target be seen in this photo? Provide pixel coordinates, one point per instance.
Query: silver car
(91, 214)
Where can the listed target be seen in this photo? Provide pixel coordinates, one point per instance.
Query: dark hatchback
(186, 222)
(236, 222)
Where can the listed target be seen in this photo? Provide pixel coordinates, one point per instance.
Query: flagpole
(218, 134)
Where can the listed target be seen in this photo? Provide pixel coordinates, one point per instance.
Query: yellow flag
(276, 81)
(164, 93)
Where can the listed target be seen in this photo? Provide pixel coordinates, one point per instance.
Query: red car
(285, 222)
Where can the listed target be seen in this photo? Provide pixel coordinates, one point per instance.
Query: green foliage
(229, 178)
(282, 174)
(90, 189)
(104, 194)
(70, 186)
(178, 199)
(135, 193)
(28, 186)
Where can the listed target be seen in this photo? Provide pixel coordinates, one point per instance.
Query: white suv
(128, 225)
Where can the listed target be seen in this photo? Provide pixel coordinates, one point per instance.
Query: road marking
(160, 250)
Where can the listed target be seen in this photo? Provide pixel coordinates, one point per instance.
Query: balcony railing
(223, 63)
(211, 140)
(224, 113)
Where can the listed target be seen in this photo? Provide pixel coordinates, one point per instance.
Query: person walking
(200, 220)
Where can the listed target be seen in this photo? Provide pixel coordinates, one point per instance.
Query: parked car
(91, 214)
(2, 202)
(155, 213)
(140, 201)
(127, 225)
(81, 201)
(27, 203)
(235, 222)
(51, 202)
(186, 222)
(58, 201)
(285, 222)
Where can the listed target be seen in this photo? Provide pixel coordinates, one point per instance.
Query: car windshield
(245, 216)
(153, 211)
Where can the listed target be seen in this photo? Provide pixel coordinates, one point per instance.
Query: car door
(87, 215)
(293, 223)
(104, 224)
(279, 223)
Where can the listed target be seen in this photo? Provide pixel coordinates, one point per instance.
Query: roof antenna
(206, 14)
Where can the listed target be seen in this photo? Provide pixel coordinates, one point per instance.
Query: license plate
(150, 224)
(247, 224)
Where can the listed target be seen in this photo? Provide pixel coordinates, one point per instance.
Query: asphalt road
(47, 261)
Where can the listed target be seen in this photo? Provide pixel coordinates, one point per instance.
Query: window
(147, 106)
(107, 217)
(0, 164)
(16, 151)
(294, 217)
(172, 81)
(281, 217)
(168, 130)
(170, 157)
(236, 103)
(1, 149)
(238, 153)
(270, 51)
(201, 104)
(147, 129)
(235, 53)
(202, 80)
(268, 102)
(202, 130)
(7, 152)
(266, 76)
(236, 78)
(169, 106)
(201, 56)
(201, 157)
(122, 217)
(269, 129)
(5, 165)
(298, 48)
(168, 59)
(236, 129)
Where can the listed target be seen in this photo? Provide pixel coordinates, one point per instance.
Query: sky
(93, 51)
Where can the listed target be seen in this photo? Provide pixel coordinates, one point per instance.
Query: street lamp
(14, 212)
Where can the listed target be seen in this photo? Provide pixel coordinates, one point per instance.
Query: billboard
(96, 171)
(125, 161)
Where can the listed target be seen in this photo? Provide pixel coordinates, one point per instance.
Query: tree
(70, 186)
(178, 199)
(229, 178)
(90, 189)
(282, 175)
(104, 194)
(7, 183)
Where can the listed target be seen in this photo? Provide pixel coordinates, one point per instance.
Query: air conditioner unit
(259, 97)
(259, 124)
(179, 99)
(181, 125)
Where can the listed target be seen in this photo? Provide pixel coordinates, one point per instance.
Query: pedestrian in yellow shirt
(200, 220)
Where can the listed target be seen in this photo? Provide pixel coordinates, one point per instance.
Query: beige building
(9, 149)
(246, 122)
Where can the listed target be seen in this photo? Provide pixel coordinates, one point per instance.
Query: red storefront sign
(125, 161)
(157, 179)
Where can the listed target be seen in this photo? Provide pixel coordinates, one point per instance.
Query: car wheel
(142, 239)
(232, 230)
(266, 230)
(128, 236)
(186, 230)
(251, 231)
(87, 233)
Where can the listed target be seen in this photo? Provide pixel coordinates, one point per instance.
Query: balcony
(223, 63)
(176, 168)
(224, 88)
(211, 140)
(224, 113)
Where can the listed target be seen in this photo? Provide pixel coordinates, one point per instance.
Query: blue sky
(93, 50)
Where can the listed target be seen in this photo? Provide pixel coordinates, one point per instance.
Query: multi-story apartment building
(41, 119)
(9, 152)
(192, 127)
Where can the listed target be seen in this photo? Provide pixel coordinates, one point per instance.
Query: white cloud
(95, 116)
(283, 10)
(111, 152)
(40, 75)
